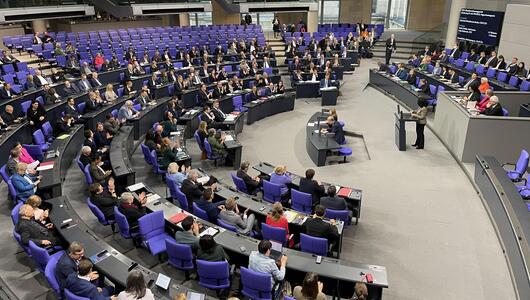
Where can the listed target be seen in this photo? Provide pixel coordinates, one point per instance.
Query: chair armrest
(508, 164)
(525, 181)
(232, 270)
(290, 237)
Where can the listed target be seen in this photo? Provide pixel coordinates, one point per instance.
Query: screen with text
(480, 26)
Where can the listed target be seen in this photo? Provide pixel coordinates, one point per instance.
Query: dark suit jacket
(192, 191)
(339, 133)
(493, 62)
(65, 266)
(60, 127)
(73, 90)
(92, 146)
(85, 160)
(105, 202)
(482, 60)
(100, 138)
(495, 110)
(336, 203)
(455, 53)
(203, 98)
(83, 288)
(4, 96)
(132, 213)
(95, 83)
(90, 106)
(72, 111)
(318, 228)
(312, 187)
(251, 184)
(206, 119)
(218, 115)
(30, 230)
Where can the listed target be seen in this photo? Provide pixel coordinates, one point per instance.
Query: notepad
(172, 133)
(136, 186)
(229, 138)
(163, 281)
(310, 124)
(210, 231)
(178, 217)
(152, 197)
(203, 179)
(290, 215)
(63, 136)
(230, 118)
(45, 166)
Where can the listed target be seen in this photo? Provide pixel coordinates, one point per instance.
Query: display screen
(480, 26)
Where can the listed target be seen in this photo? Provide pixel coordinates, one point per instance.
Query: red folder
(178, 217)
(344, 192)
(46, 163)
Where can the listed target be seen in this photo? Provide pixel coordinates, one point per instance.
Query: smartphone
(319, 259)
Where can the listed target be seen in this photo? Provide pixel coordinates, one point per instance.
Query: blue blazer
(65, 267)
(22, 186)
(83, 288)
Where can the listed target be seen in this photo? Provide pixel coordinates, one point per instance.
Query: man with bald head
(30, 230)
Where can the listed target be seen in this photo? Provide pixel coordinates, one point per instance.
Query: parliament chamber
(155, 149)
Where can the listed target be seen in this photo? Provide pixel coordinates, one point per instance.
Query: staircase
(407, 43)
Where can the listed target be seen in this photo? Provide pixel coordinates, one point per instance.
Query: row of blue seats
(516, 175)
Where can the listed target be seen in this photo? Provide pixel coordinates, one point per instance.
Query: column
(184, 19)
(39, 25)
(221, 16)
(452, 24)
(355, 11)
(312, 21)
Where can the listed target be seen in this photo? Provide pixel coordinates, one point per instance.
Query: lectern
(329, 95)
(401, 133)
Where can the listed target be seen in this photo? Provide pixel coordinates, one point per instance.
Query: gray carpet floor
(421, 217)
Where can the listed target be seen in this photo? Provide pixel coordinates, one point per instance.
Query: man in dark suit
(424, 87)
(317, 227)
(390, 48)
(474, 80)
(70, 89)
(84, 83)
(192, 188)
(205, 203)
(331, 201)
(454, 76)
(482, 59)
(252, 183)
(9, 116)
(92, 103)
(493, 107)
(143, 99)
(68, 262)
(94, 81)
(62, 125)
(131, 209)
(80, 285)
(312, 187)
(30, 230)
(335, 128)
(71, 109)
(455, 52)
(105, 200)
(86, 155)
(219, 90)
(204, 95)
(492, 61)
(326, 82)
(219, 115)
(7, 93)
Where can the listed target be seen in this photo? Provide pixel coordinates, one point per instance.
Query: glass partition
(392, 13)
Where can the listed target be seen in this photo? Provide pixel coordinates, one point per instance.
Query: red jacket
(280, 223)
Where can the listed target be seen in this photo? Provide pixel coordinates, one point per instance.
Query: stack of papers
(230, 118)
(211, 231)
(63, 136)
(152, 197)
(290, 215)
(136, 187)
(229, 138)
(310, 124)
(203, 179)
(45, 166)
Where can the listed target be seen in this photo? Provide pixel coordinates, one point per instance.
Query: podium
(401, 133)
(329, 96)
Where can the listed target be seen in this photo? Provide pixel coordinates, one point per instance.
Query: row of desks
(403, 91)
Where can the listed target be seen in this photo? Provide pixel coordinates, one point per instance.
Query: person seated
(102, 138)
(212, 209)
(168, 152)
(7, 93)
(219, 115)
(193, 189)
(127, 112)
(131, 209)
(437, 70)
(89, 141)
(209, 250)
(332, 201)
(39, 213)
(244, 223)
(110, 95)
(68, 264)
(84, 83)
(104, 199)
(475, 94)
(96, 171)
(216, 140)
(281, 178)
(72, 110)
(136, 288)
(202, 131)
(94, 80)
(424, 86)
(93, 103)
(207, 115)
(129, 90)
(311, 287)
(31, 230)
(143, 99)
(473, 80)
(335, 128)
(24, 156)
(252, 183)
(453, 76)
(312, 187)
(39, 79)
(80, 284)
(86, 155)
(481, 106)
(70, 89)
(15, 158)
(177, 176)
(275, 218)
(169, 124)
(62, 125)
(159, 130)
(513, 67)
(317, 227)
(29, 85)
(190, 233)
(493, 108)
(411, 78)
(204, 95)
(24, 184)
(260, 261)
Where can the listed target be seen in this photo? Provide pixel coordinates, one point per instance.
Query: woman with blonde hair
(360, 291)
(276, 219)
(176, 175)
(40, 214)
(333, 113)
(281, 178)
(110, 95)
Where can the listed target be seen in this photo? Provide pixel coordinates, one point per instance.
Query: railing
(32, 3)
(129, 2)
(433, 37)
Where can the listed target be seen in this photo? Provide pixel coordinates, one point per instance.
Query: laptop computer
(276, 250)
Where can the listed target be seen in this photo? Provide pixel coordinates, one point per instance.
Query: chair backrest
(198, 140)
(25, 105)
(273, 233)
(71, 296)
(239, 183)
(183, 200)
(525, 85)
(502, 76)
(271, 192)
(81, 107)
(301, 202)
(97, 212)
(343, 215)
(3, 173)
(315, 245)
(179, 255)
(14, 213)
(47, 129)
(12, 191)
(208, 149)
(522, 162)
(88, 177)
(505, 112)
(38, 137)
(226, 225)
(199, 212)
(213, 274)
(432, 89)
(256, 285)
(479, 69)
(151, 225)
(39, 255)
(35, 151)
(514, 81)
(122, 222)
(49, 273)
(491, 73)
(147, 155)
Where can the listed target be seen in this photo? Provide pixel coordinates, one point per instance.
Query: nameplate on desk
(99, 256)
(136, 186)
(194, 296)
(163, 281)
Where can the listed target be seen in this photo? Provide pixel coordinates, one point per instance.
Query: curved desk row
(354, 197)
(339, 276)
(497, 85)
(114, 265)
(318, 146)
(510, 215)
(268, 106)
(402, 91)
(435, 80)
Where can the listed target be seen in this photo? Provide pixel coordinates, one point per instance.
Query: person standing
(421, 120)
(390, 48)
(276, 26)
